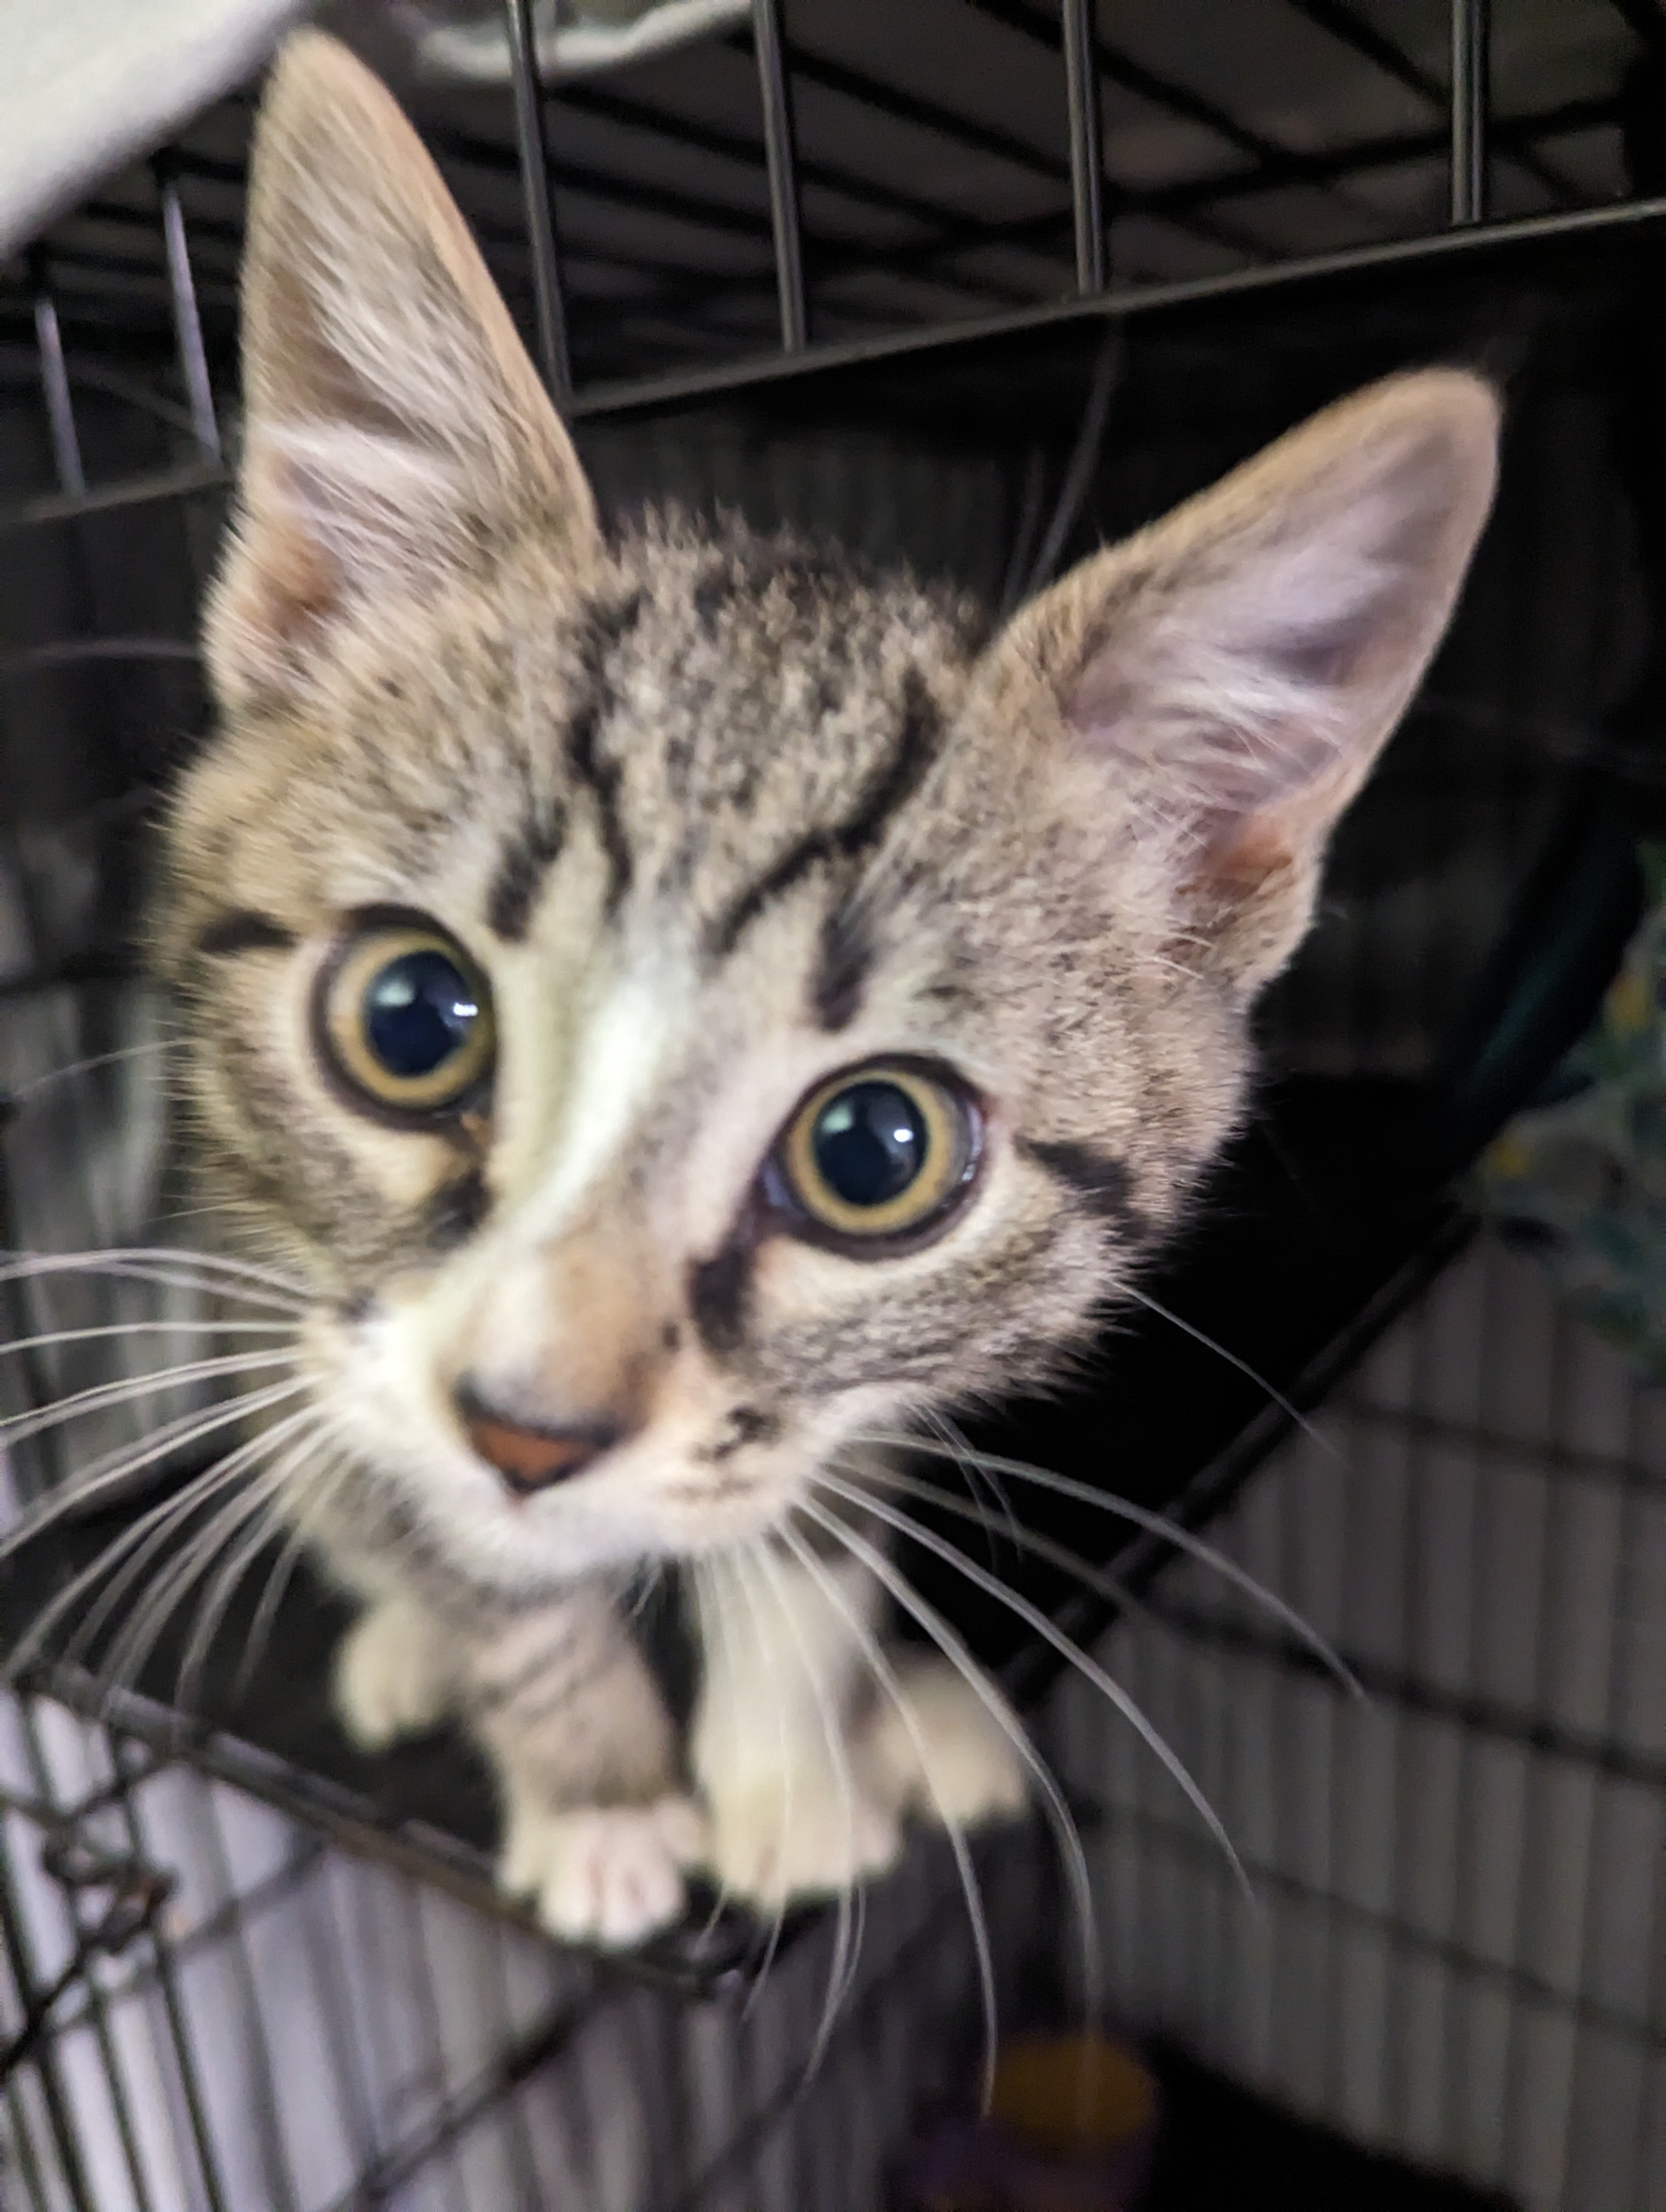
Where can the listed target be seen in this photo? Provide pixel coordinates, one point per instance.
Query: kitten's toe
(524, 1855)
(972, 1770)
(777, 1838)
(611, 1874)
(391, 1675)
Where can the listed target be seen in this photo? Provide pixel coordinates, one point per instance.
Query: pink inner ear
(1221, 770)
(1272, 774)
(1245, 847)
(1246, 856)
(1238, 701)
(292, 583)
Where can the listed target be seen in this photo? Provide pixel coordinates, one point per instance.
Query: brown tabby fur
(717, 816)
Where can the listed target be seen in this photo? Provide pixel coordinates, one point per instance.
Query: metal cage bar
(548, 308)
(1087, 162)
(97, 2011)
(780, 153)
(1471, 103)
(55, 384)
(20, 1959)
(187, 319)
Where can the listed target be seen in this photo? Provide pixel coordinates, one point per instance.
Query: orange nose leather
(532, 1459)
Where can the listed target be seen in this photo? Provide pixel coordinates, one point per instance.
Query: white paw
(607, 1874)
(391, 1679)
(814, 1832)
(971, 1770)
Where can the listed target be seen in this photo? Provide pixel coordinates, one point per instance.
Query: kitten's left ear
(1223, 681)
(393, 426)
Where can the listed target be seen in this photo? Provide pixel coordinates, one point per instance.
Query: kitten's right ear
(392, 421)
(1220, 683)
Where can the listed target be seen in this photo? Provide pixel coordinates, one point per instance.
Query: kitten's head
(683, 1003)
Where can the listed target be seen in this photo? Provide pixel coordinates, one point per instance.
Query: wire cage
(209, 2004)
(972, 283)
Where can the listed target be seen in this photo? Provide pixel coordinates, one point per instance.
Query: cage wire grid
(1459, 1949)
(693, 216)
(297, 2027)
(228, 2010)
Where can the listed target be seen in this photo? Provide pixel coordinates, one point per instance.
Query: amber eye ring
(878, 1159)
(403, 1018)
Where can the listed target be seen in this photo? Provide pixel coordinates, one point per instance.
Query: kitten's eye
(878, 1155)
(406, 1018)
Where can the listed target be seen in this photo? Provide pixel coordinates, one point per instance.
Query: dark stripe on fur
(718, 1291)
(456, 1210)
(747, 1424)
(526, 857)
(842, 973)
(1100, 1180)
(892, 784)
(560, 1672)
(599, 777)
(241, 930)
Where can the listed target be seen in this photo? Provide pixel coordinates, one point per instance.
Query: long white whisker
(856, 1899)
(265, 1490)
(1057, 1811)
(329, 1481)
(178, 1432)
(1080, 1571)
(162, 1275)
(221, 1475)
(139, 1563)
(1171, 1531)
(145, 1329)
(712, 1619)
(735, 1565)
(157, 1527)
(176, 1506)
(1025, 1540)
(842, 1965)
(961, 1449)
(642, 1585)
(143, 1262)
(244, 1271)
(131, 1649)
(86, 1066)
(885, 1674)
(117, 1467)
(130, 1387)
(127, 1656)
(216, 1263)
(1201, 1336)
(1036, 1620)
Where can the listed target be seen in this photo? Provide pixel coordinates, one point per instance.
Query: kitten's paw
(812, 1833)
(972, 1770)
(607, 1874)
(391, 1677)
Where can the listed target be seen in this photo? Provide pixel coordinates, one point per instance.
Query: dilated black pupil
(418, 1011)
(869, 1143)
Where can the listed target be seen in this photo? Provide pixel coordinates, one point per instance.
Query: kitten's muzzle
(529, 1459)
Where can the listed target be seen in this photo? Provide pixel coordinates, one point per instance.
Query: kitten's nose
(531, 1459)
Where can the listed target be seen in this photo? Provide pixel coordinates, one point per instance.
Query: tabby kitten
(686, 1011)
